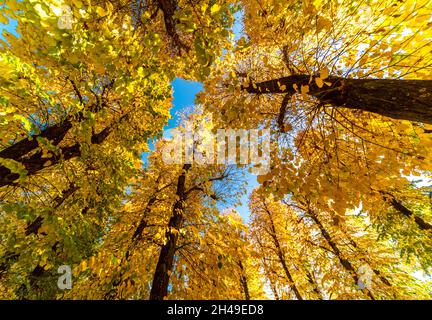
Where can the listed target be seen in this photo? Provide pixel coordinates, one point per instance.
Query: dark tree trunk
(166, 256)
(169, 8)
(398, 99)
(36, 162)
(399, 207)
(314, 285)
(344, 262)
(272, 286)
(243, 281)
(54, 133)
(377, 272)
(33, 228)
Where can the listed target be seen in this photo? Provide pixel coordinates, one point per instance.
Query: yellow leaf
(304, 91)
(101, 11)
(42, 13)
(319, 82)
(26, 123)
(323, 23)
(83, 266)
(261, 179)
(324, 73)
(3, 19)
(215, 8)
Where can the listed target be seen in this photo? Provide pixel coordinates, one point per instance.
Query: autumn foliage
(344, 88)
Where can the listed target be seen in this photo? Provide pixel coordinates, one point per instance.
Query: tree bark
(36, 162)
(398, 99)
(166, 256)
(243, 281)
(314, 285)
(36, 224)
(399, 207)
(377, 272)
(344, 262)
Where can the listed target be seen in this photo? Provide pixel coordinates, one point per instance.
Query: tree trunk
(243, 281)
(35, 163)
(166, 256)
(344, 262)
(314, 285)
(33, 228)
(398, 99)
(399, 207)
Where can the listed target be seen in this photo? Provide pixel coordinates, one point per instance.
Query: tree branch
(399, 99)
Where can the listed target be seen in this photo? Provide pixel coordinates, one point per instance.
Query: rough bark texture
(166, 256)
(34, 163)
(169, 8)
(399, 99)
(243, 281)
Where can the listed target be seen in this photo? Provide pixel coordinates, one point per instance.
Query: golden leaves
(304, 91)
(333, 160)
(215, 8)
(319, 82)
(323, 23)
(324, 73)
(101, 11)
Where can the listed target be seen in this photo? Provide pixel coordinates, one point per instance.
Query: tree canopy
(343, 87)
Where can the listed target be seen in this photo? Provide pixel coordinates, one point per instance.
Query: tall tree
(308, 256)
(82, 91)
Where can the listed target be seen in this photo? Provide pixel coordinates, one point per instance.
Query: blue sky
(183, 97)
(10, 27)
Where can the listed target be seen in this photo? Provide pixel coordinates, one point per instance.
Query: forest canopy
(340, 90)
